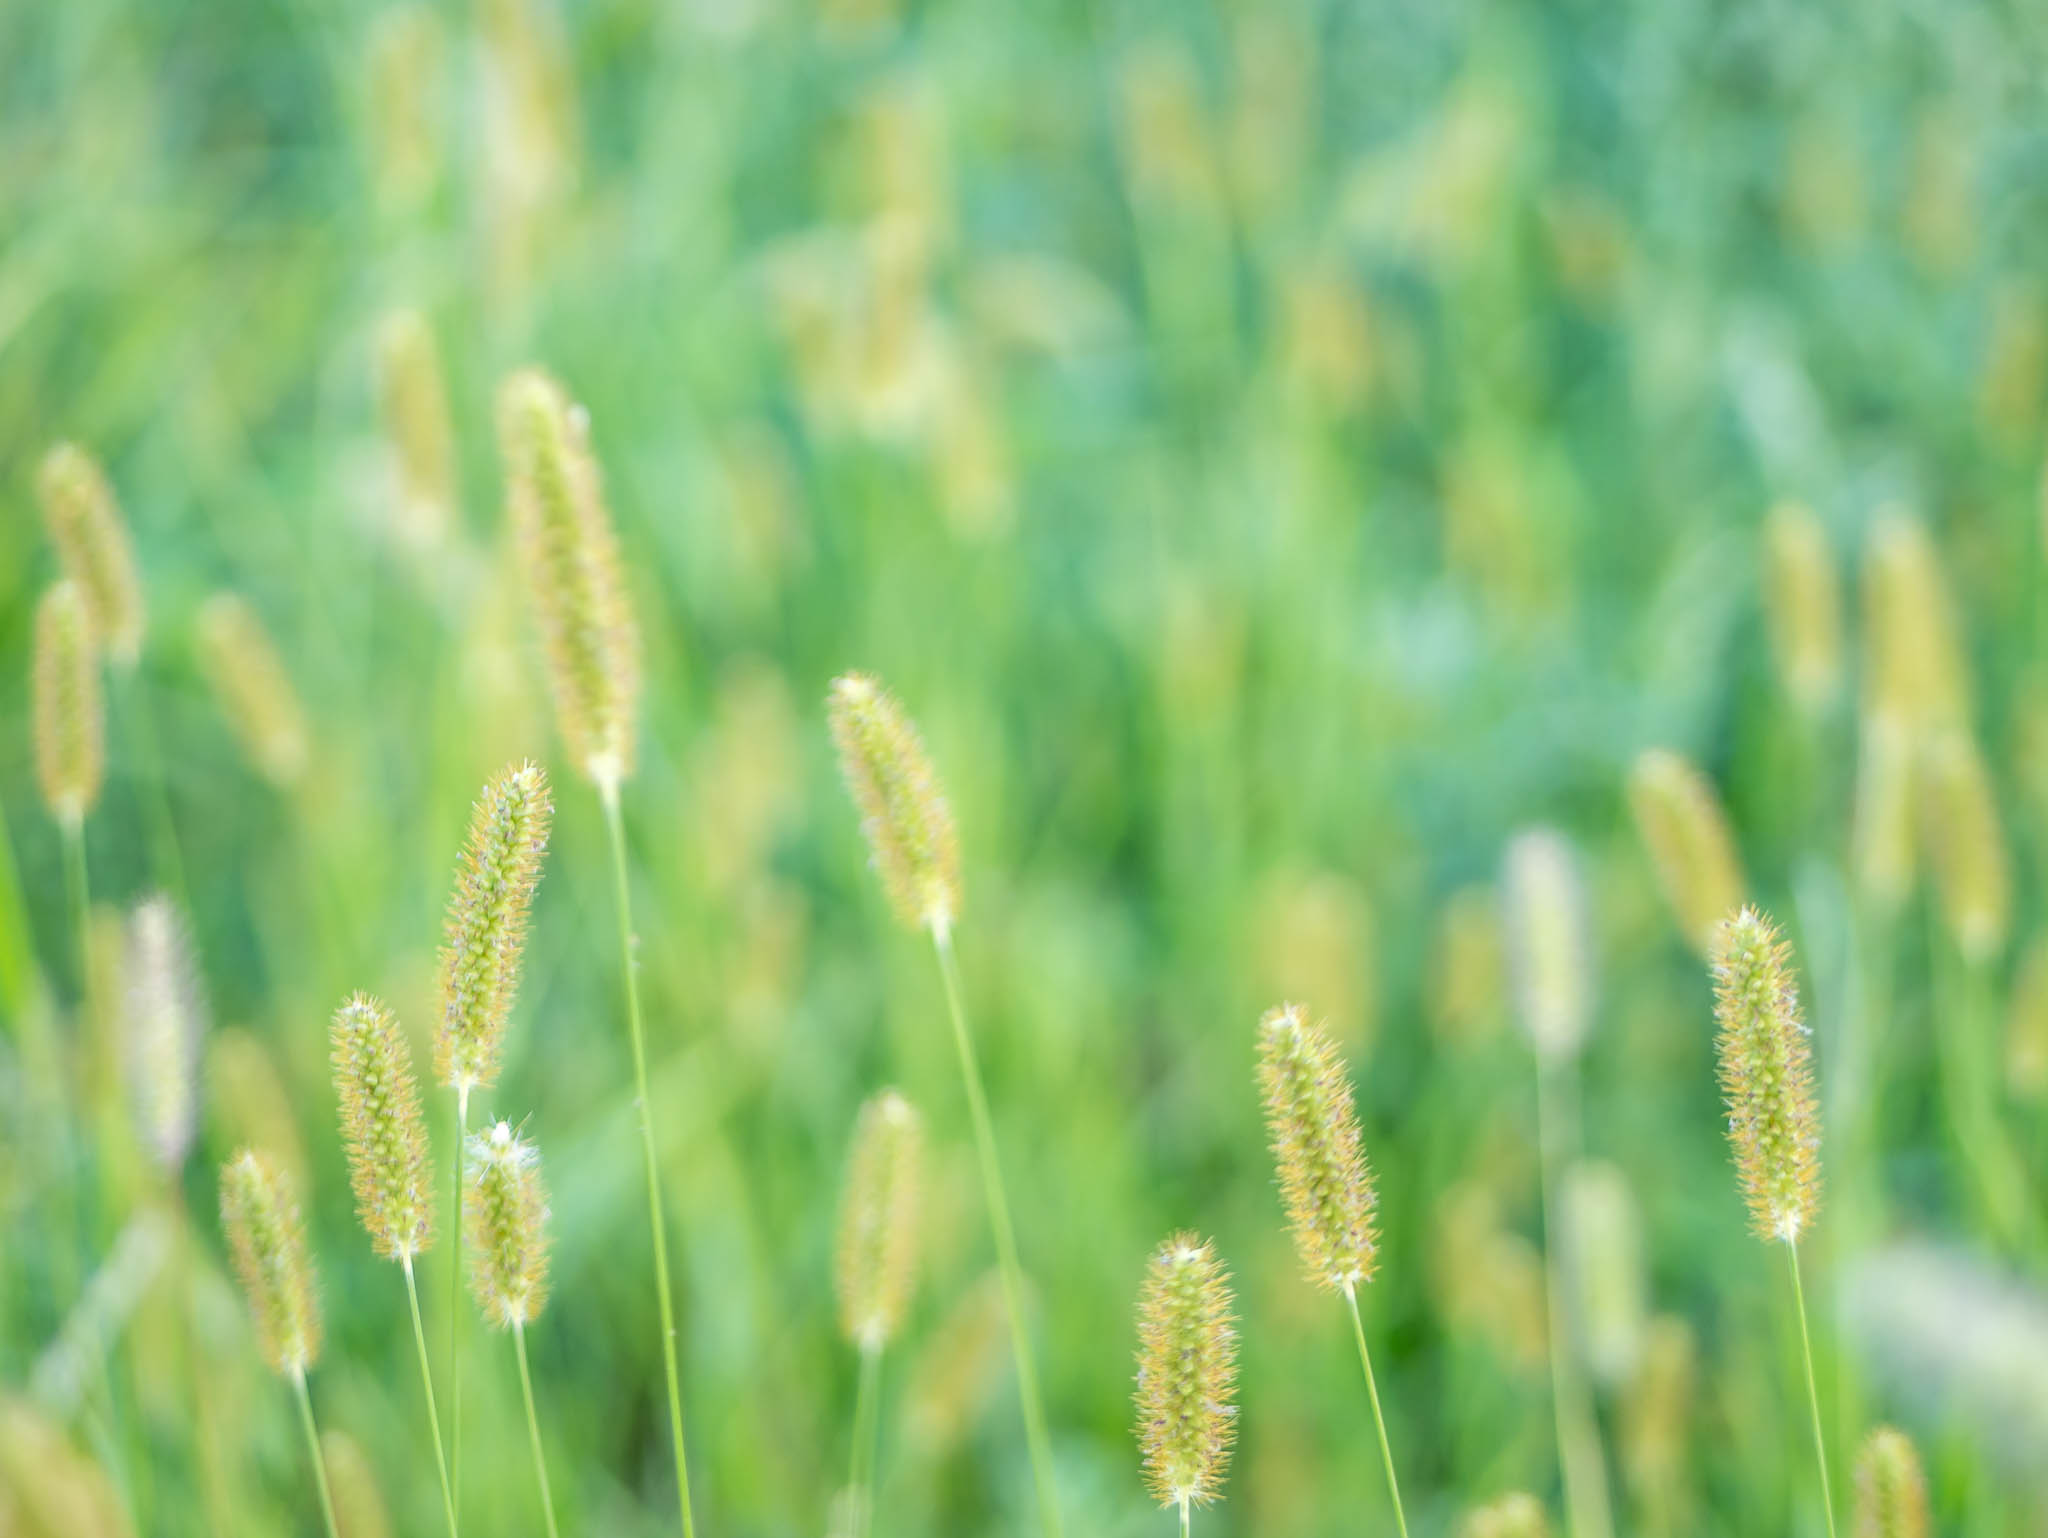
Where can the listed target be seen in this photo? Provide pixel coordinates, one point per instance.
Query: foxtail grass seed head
(85, 525)
(506, 1218)
(1766, 1077)
(1965, 846)
(1543, 913)
(1187, 1372)
(413, 400)
(1913, 668)
(260, 1212)
(486, 933)
(903, 812)
(69, 712)
(253, 688)
(388, 1163)
(1803, 603)
(165, 1018)
(878, 1220)
(1891, 1490)
(1313, 1125)
(1512, 1516)
(1682, 825)
(570, 557)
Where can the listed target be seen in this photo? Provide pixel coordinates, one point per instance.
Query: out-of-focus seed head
(247, 1104)
(388, 1163)
(1543, 915)
(1313, 1125)
(48, 1489)
(878, 1220)
(1964, 844)
(1187, 1372)
(1803, 602)
(1682, 825)
(253, 688)
(1656, 1425)
(259, 1211)
(1468, 968)
(505, 1218)
(359, 1510)
(85, 525)
(403, 79)
(1512, 1516)
(486, 933)
(1913, 670)
(1891, 1490)
(69, 713)
(1881, 830)
(570, 557)
(1766, 1077)
(414, 403)
(1603, 1256)
(909, 827)
(165, 1019)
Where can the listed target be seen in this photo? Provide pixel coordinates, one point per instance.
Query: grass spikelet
(85, 524)
(904, 815)
(1891, 1490)
(878, 1220)
(1803, 603)
(1679, 817)
(1543, 903)
(1324, 1182)
(69, 712)
(1913, 670)
(1511, 1516)
(486, 932)
(260, 1213)
(1766, 1077)
(253, 688)
(413, 400)
(1965, 846)
(164, 1023)
(1187, 1372)
(570, 557)
(506, 1216)
(388, 1163)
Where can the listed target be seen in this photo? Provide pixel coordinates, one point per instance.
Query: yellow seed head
(570, 557)
(1964, 844)
(1913, 658)
(1766, 1077)
(85, 525)
(414, 403)
(164, 1021)
(486, 934)
(903, 813)
(1512, 1516)
(1187, 1372)
(253, 688)
(260, 1212)
(1543, 905)
(1803, 602)
(878, 1220)
(388, 1163)
(1324, 1182)
(1682, 825)
(505, 1226)
(1891, 1491)
(69, 713)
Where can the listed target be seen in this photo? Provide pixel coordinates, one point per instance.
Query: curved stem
(313, 1450)
(1820, 1446)
(455, 1331)
(1379, 1421)
(1006, 1242)
(540, 1462)
(419, 1339)
(860, 1478)
(1578, 1435)
(609, 792)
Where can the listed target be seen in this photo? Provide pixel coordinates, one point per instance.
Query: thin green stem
(163, 829)
(78, 888)
(1820, 1446)
(540, 1462)
(455, 1330)
(419, 1339)
(609, 793)
(1379, 1421)
(1578, 1434)
(313, 1450)
(1006, 1242)
(1183, 1517)
(860, 1479)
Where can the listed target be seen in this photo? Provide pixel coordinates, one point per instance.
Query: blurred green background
(1276, 451)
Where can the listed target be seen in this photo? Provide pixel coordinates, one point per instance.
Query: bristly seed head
(85, 525)
(878, 1220)
(486, 934)
(255, 692)
(1313, 1124)
(1543, 905)
(69, 713)
(164, 1022)
(1766, 1077)
(505, 1227)
(1682, 825)
(1891, 1490)
(260, 1212)
(1187, 1372)
(904, 816)
(570, 555)
(388, 1163)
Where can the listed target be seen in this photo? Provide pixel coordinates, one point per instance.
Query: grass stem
(1820, 1446)
(165, 851)
(1379, 1421)
(540, 1462)
(860, 1480)
(1578, 1435)
(455, 1331)
(313, 1451)
(419, 1339)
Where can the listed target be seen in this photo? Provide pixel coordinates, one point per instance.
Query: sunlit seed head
(505, 1218)
(1187, 1372)
(70, 722)
(904, 815)
(878, 1220)
(1543, 914)
(1766, 1077)
(570, 558)
(1891, 1490)
(1803, 603)
(1313, 1126)
(1679, 816)
(381, 1128)
(1913, 668)
(165, 1018)
(254, 690)
(1965, 846)
(259, 1211)
(486, 932)
(85, 524)
(413, 400)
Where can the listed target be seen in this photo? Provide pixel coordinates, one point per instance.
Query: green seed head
(164, 1022)
(388, 1163)
(1544, 916)
(1766, 1077)
(878, 1220)
(1187, 1372)
(85, 525)
(260, 1212)
(69, 713)
(505, 1222)
(1324, 1182)
(1682, 825)
(254, 690)
(1891, 1491)
(909, 827)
